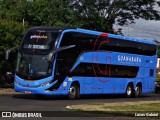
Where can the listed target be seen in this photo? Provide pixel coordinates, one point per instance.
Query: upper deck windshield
(32, 60)
(38, 42)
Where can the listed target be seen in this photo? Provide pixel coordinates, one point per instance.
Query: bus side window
(151, 72)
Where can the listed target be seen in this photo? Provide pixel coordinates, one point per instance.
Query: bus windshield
(32, 63)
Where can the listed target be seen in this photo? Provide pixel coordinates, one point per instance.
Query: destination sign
(32, 46)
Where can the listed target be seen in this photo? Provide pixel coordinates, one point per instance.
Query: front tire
(73, 92)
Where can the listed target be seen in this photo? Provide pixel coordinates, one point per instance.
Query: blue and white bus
(74, 62)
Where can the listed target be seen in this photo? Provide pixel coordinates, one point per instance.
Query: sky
(144, 29)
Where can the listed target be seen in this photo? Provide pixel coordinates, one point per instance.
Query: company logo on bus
(38, 36)
(123, 58)
(96, 68)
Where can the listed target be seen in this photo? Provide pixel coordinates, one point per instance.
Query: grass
(142, 107)
(119, 109)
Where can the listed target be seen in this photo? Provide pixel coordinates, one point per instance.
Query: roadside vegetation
(8, 91)
(120, 108)
(158, 77)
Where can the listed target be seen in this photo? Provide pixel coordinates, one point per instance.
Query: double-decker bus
(74, 62)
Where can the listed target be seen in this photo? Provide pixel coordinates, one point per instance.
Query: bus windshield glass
(32, 61)
(38, 42)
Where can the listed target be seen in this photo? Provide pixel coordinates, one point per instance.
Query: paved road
(31, 103)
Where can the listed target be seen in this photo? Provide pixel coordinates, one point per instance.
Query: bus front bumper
(39, 90)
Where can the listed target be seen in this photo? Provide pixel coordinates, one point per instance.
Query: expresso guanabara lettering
(123, 58)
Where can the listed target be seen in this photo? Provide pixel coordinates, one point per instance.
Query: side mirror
(8, 51)
(51, 54)
(9, 74)
(9, 77)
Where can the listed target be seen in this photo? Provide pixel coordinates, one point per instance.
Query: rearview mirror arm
(10, 50)
(50, 58)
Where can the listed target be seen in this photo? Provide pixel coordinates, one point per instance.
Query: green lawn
(121, 108)
(140, 107)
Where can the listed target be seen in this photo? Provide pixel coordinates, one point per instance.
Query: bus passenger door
(97, 87)
(88, 83)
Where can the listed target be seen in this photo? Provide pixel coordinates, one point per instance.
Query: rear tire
(129, 91)
(138, 91)
(73, 92)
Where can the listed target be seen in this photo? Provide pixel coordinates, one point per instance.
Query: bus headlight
(46, 83)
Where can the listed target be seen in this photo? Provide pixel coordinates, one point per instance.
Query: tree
(98, 15)
(11, 34)
(46, 13)
(103, 14)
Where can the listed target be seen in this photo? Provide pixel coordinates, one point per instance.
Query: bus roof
(65, 29)
(48, 28)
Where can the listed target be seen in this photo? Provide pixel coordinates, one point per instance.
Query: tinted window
(82, 41)
(118, 45)
(67, 58)
(103, 70)
(151, 72)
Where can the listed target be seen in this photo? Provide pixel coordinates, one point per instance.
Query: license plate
(27, 92)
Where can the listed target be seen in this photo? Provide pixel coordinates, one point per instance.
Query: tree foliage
(102, 14)
(91, 14)
(46, 13)
(11, 34)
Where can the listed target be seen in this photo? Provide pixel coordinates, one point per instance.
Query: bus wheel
(73, 92)
(129, 91)
(137, 91)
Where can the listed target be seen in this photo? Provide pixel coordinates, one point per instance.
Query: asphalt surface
(56, 106)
